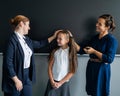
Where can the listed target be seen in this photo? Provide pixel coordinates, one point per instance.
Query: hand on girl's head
(70, 33)
(56, 32)
(66, 30)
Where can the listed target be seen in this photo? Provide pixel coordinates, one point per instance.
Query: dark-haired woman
(18, 61)
(101, 49)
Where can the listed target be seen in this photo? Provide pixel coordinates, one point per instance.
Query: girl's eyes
(99, 24)
(59, 38)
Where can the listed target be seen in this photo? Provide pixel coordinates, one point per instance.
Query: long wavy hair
(72, 51)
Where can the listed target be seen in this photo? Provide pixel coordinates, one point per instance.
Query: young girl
(62, 65)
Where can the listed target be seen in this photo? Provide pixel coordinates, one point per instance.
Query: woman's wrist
(94, 51)
(51, 38)
(15, 79)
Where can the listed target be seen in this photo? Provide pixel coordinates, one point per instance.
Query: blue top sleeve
(111, 49)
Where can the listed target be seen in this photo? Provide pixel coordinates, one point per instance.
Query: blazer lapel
(28, 43)
(18, 45)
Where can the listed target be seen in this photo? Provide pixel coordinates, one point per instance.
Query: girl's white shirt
(61, 64)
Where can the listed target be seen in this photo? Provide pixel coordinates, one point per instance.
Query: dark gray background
(46, 16)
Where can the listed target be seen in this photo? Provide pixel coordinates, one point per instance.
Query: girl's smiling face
(62, 39)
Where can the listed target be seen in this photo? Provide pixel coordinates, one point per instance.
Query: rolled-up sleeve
(109, 55)
(81, 51)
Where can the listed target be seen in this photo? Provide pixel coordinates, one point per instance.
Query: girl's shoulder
(54, 51)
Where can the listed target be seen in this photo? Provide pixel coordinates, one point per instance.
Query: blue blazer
(13, 59)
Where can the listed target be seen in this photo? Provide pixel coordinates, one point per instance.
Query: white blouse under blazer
(27, 51)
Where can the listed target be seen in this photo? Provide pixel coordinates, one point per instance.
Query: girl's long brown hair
(72, 51)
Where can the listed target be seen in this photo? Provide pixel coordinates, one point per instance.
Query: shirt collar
(66, 49)
(19, 35)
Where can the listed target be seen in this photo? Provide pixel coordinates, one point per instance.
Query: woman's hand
(18, 83)
(53, 36)
(89, 50)
(70, 33)
(56, 32)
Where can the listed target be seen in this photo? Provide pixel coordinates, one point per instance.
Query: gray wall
(77, 86)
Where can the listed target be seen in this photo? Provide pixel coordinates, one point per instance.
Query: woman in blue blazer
(18, 60)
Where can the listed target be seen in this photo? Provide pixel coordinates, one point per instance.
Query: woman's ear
(108, 28)
(21, 23)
